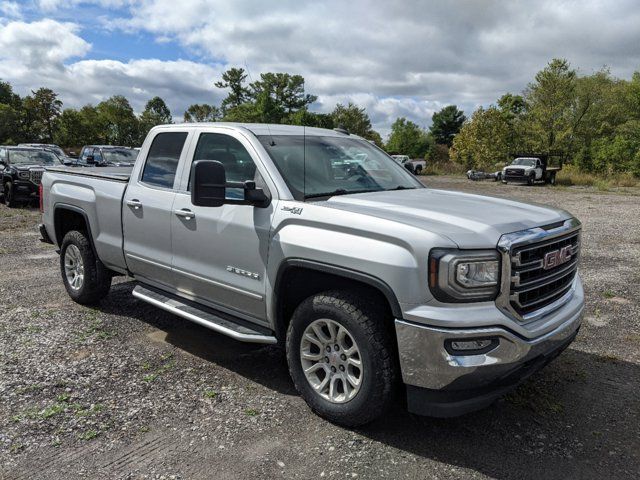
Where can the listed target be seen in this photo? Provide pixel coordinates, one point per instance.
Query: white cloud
(43, 44)
(408, 57)
(10, 9)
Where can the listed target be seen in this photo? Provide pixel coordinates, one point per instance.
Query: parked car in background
(414, 166)
(107, 156)
(21, 169)
(46, 146)
(367, 278)
(476, 175)
(59, 152)
(532, 168)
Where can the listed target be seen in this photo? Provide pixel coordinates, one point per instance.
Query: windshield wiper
(401, 187)
(339, 191)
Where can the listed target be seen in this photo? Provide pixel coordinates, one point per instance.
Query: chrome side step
(237, 329)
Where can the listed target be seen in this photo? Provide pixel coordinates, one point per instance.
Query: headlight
(23, 174)
(464, 275)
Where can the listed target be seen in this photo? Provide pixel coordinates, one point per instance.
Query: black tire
(97, 278)
(418, 170)
(9, 196)
(372, 333)
(552, 179)
(531, 179)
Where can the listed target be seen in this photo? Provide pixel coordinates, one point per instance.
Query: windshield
(32, 157)
(314, 166)
(526, 162)
(117, 155)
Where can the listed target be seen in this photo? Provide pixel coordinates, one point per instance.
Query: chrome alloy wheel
(331, 360)
(74, 267)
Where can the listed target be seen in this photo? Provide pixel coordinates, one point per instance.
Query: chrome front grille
(539, 268)
(35, 176)
(514, 171)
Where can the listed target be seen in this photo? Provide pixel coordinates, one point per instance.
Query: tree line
(273, 98)
(593, 121)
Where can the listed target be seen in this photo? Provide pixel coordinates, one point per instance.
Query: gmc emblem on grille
(557, 257)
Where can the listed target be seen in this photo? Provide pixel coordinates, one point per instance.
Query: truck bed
(97, 192)
(116, 174)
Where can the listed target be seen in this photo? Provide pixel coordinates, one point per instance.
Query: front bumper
(443, 384)
(24, 189)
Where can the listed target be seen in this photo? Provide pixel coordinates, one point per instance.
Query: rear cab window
(162, 160)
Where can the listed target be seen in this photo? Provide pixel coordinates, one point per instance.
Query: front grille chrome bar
(534, 296)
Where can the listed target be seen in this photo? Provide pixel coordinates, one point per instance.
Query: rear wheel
(418, 169)
(552, 179)
(340, 358)
(84, 276)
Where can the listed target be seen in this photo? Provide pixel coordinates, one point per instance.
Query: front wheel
(340, 357)
(418, 170)
(9, 195)
(532, 179)
(84, 276)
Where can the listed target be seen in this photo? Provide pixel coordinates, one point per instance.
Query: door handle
(185, 213)
(135, 204)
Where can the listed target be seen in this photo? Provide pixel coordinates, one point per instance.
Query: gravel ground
(126, 390)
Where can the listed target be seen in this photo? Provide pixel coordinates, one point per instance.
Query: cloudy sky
(394, 57)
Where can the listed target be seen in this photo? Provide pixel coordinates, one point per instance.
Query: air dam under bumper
(442, 384)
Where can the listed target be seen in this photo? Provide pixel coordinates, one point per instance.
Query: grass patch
(210, 393)
(608, 294)
(445, 168)
(88, 435)
(250, 412)
(571, 176)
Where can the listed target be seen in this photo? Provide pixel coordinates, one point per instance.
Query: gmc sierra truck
(364, 275)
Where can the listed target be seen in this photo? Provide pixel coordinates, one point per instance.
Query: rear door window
(162, 160)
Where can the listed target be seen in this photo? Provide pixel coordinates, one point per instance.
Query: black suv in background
(107, 155)
(21, 169)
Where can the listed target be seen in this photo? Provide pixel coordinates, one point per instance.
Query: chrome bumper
(429, 367)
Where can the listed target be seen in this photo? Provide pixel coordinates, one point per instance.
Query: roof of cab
(264, 128)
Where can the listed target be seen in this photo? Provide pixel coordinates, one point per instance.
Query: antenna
(271, 143)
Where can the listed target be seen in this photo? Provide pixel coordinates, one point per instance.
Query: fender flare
(64, 206)
(362, 277)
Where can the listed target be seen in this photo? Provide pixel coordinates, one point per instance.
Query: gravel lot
(129, 391)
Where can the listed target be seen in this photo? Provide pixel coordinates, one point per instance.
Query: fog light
(470, 346)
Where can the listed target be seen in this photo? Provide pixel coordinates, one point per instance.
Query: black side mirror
(91, 159)
(208, 183)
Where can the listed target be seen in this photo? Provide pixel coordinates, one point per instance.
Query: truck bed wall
(100, 200)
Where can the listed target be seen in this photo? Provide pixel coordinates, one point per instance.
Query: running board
(227, 325)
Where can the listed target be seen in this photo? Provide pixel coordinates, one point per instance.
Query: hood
(35, 166)
(517, 167)
(470, 221)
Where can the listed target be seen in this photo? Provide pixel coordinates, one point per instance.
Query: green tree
(155, 113)
(407, 138)
(233, 79)
(78, 127)
(483, 141)
(355, 120)
(10, 115)
(549, 99)
(446, 124)
(310, 119)
(42, 109)
(118, 123)
(202, 112)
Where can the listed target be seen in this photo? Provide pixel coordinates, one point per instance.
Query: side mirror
(91, 159)
(208, 183)
(209, 187)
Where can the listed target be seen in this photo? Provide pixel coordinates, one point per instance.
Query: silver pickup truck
(317, 240)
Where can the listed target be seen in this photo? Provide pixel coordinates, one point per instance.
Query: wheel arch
(289, 292)
(69, 217)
